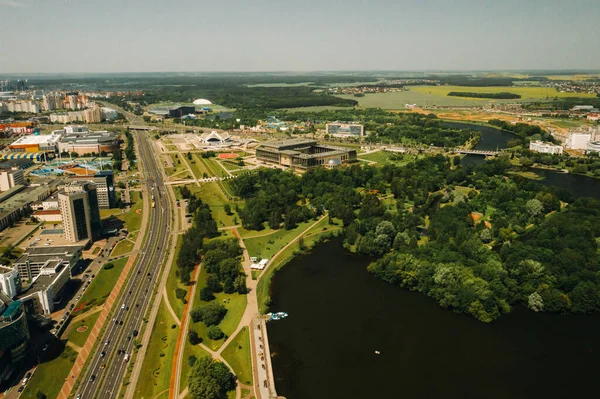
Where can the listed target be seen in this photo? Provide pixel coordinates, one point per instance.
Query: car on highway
(21, 389)
(92, 377)
(102, 354)
(135, 333)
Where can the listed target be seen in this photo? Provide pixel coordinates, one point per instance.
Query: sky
(51, 36)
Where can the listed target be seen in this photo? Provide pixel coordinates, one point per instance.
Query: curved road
(107, 366)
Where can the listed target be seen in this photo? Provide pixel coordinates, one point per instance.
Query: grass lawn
(132, 219)
(122, 247)
(214, 167)
(79, 338)
(211, 194)
(188, 351)
(200, 165)
(156, 370)
(235, 305)
(379, 156)
(237, 355)
(104, 213)
(173, 283)
(194, 166)
(267, 246)
(102, 285)
(317, 108)
(50, 376)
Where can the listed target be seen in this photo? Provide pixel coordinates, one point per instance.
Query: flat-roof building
(345, 129)
(34, 259)
(81, 140)
(41, 295)
(36, 143)
(11, 178)
(302, 154)
(546, 148)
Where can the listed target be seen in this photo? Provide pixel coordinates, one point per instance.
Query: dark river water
(340, 315)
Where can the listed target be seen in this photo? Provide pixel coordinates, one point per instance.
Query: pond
(339, 315)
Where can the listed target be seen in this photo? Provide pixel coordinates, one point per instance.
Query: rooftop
(277, 144)
(37, 139)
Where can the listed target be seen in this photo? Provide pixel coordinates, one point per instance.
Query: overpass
(139, 127)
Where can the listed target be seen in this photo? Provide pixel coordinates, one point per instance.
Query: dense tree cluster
(210, 379)
(524, 131)
(476, 239)
(498, 96)
(129, 148)
(203, 226)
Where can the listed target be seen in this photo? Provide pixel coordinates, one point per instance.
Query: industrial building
(17, 201)
(80, 213)
(343, 129)
(593, 146)
(303, 154)
(36, 143)
(175, 111)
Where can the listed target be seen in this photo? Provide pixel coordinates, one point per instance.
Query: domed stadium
(202, 101)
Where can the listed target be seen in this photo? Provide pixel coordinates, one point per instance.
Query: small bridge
(478, 152)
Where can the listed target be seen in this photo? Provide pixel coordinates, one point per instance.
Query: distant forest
(497, 96)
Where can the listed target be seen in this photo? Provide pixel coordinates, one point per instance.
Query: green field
(200, 165)
(122, 247)
(429, 96)
(156, 369)
(268, 245)
(211, 194)
(50, 376)
(132, 219)
(214, 167)
(79, 338)
(173, 283)
(237, 354)
(102, 285)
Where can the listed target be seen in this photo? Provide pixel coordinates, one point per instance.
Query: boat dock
(264, 380)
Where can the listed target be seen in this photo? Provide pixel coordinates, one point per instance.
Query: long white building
(546, 148)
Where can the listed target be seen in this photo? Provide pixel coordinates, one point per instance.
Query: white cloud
(13, 4)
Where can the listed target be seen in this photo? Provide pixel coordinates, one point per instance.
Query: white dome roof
(202, 101)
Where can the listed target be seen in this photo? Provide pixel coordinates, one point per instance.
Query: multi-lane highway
(108, 363)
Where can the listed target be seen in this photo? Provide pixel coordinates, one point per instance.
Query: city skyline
(186, 36)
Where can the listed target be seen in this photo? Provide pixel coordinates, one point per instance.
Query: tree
(180, 293)
(535, 302)
(193, 337)
(211, 314)
(40, 395)
(239, 285)
(227, 209)
(191, 360)
(534, 207)
(214, 332)
(206, 294)
(210, 379)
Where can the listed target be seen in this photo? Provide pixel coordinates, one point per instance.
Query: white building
(546, 148)
(578, 141)
(11, 178)
(593, 146)
(10, 282)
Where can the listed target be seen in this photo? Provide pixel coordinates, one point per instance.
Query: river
(340, 315)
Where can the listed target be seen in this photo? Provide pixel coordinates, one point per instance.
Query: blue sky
(303, 35)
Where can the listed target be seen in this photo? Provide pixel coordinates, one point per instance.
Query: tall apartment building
(52, 101)
(78, 205)
(11, 178)
(10, 282)
(105, 187)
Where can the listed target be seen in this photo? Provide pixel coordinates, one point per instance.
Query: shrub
(193, 337)
(180, 293)
(108, 266)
